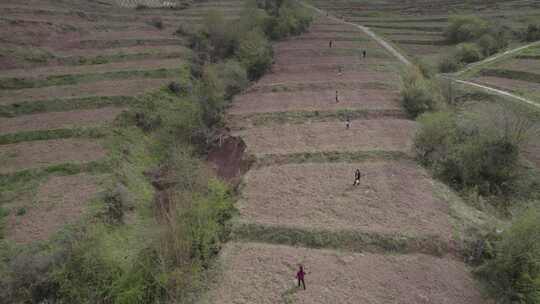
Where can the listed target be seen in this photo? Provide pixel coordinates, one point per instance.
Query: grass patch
(121, 57)
(328, 157)
(510, 74)
(52, 105)
(412, 28)
(56, 80)
(299, 117)
(95, 132)
(323, 86)
(355, 241)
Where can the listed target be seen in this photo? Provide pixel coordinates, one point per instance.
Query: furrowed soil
(36, 154)
(59, 120)
(311, 200)
(364, 135)
(393, 197)
(261, 273)
(99, 88)
(58, 201)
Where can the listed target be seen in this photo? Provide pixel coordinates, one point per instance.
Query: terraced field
(390, 239)
(519, 73)
(68, 70)
(416, 27)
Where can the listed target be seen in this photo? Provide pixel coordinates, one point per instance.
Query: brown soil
(265, 274)
(321, 77)
(304, 57)
(314, 100)
(36, 154)
(509, 84)
(320, 44)
(100, 88)
(359, 66)
(393, 197)
(98, 68)
(364, 135)
(123, 50)
(227, 158)
(59, 201)
(58, 120)
(525, 65)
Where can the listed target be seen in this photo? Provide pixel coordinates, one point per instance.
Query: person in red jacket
(300, 276)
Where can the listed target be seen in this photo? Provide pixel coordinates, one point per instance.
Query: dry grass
(58, 120)
(59, 200)
(394, 197)
(364, 135)
(265, 274)
(37, 154)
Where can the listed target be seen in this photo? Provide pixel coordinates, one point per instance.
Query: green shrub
(513, 275)
(234, 76)
(477, 146)
(418, 94)
(255, 53)
(532, 33)
(449, 64)
(465, 28)
(468, 52)
(488, 45)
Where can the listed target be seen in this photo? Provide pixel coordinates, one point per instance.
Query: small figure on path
(357, 176)
(364, 53)
(300, 276)
(340, 70)
(348, 123)
(337, 97)
(330, 44)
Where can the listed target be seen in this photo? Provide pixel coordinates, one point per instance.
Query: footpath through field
(389, 239)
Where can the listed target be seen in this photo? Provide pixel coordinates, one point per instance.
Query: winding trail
(405, 61)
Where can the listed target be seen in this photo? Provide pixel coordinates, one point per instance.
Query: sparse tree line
(477, 147)
(477, 38)
(153, 236)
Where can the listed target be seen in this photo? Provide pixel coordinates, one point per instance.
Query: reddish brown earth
(97, 68)
(99, 88)
(525, 65)
(265, 274)
(393, 197)
(123, 50)
(36, 154)
(59, 200)
(314, 100)
(509, 84)
(58, 120)
(359, 66)
(227, 158)
(364, 135)
(320, 44)
(304, 58)
(322, 77)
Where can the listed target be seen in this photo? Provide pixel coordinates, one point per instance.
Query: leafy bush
(477, 146)
(513, 275)
(449, 64)
(465, 28)
(255, 53)
(533, 32)
(418, 94)
(292, 19)
(468, 52)
(234, 76)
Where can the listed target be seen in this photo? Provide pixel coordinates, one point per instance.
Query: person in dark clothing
(337, 97)
(348, 123)
(364, 53)
(300, 276)
(357, 176)
(330, 44)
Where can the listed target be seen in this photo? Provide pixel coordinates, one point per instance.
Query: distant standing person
(364, 53)
(340, 70)
(300, 276)
(348, 123)
(330, 44)
(357, 176)
(337, 97)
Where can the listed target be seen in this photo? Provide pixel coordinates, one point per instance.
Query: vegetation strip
(103, 59)
(511, 74)
(356, 241)
(56, 105)
(94, 167)
(91, 132)
(38, 82)
(299, 117)
(328, 157)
